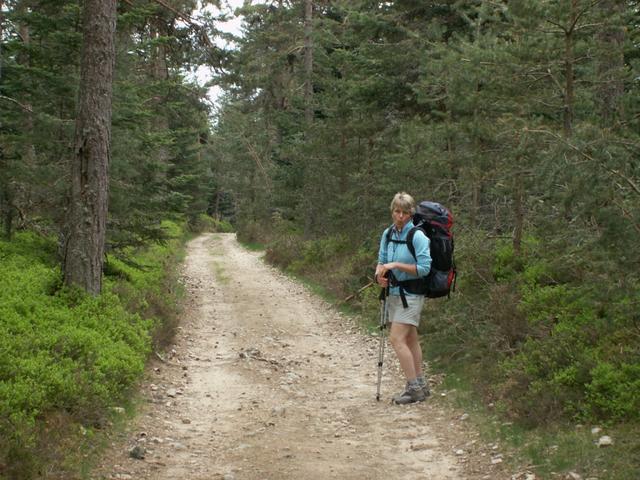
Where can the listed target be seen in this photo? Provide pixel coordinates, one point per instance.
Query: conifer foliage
(159, 164)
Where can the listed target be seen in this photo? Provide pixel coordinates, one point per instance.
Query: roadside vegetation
(530, 348)
(69, 361)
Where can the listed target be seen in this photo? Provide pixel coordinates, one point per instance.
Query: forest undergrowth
(69, 361)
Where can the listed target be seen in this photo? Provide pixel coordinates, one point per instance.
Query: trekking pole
(384, 311)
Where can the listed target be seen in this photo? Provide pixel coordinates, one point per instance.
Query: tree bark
(24, 194)
(308, 62)
(569, 61)
(310, 168)
(87, 210)
(6, 222)
(1, 35)
(518, 195)
(6, 204)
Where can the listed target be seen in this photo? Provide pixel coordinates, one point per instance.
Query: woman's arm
(411, 268)
(423, 255)
(379, 275)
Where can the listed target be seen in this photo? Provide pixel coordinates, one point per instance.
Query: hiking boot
(425, 388)
(411, 394)
(424, 385)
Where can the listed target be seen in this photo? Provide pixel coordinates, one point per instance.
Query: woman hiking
(397, 265)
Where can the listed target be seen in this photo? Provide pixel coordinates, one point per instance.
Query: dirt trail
(267, 382)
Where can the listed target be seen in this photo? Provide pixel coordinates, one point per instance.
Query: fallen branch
(358, 292)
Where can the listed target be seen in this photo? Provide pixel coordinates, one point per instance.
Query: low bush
(329, 262)
(545, 341)
(207, 223)
(65, 354)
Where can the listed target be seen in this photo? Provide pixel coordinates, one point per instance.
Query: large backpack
(436, 222)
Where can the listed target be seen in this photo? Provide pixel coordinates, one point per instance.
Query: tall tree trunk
(6, 204)
(28, 164)
(3, 167)
(87, 211)
(569, 61)
(518, 194)
(7, 214)
(308, 62)
(475, 197)
(160, 73)
(1, 34)
(216, 211)
(310, 169)
(610, 61)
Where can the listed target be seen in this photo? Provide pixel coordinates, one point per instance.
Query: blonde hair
(403, 201)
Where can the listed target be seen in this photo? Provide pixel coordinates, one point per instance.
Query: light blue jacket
(399, 252)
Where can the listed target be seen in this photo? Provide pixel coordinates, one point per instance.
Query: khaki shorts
(409, 316)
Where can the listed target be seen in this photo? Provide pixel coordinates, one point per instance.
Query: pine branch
(184, 16)
(571, 28)
(24, 107)
(560, 26)
(584, 11)
(588, 25)
(187, 19)
(256, 158)
(631, 183)
(555, 80)
(628, 216)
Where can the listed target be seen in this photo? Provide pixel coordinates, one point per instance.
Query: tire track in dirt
(268, 382)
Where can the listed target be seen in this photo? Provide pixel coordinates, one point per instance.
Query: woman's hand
(382, 271)
(380, 276)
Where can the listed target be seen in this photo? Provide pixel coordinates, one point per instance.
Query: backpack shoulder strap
(388, 235)
(410, 245)
(409, 241)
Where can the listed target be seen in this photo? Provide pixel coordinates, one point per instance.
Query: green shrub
(67, 354)
(329, 262)
(206, 223)
(252, 232)
(284, 251)
(320, 254)
(222, 226)
(614, 391)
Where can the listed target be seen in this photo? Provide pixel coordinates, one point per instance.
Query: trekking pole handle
(384, 292)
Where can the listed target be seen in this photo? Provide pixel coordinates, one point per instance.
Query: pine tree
(87, 212)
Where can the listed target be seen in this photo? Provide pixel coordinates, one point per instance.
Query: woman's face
(400, 217)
